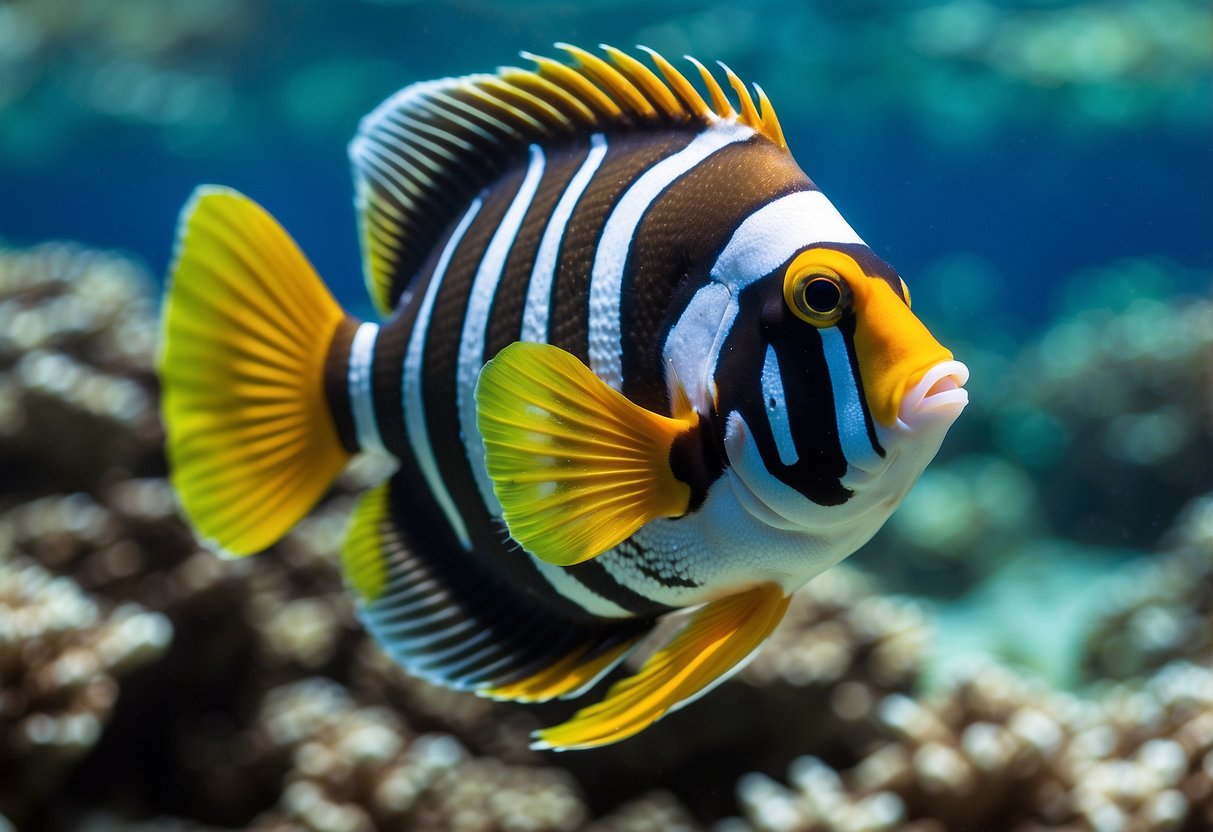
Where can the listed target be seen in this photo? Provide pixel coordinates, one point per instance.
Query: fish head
(831, 388)
(910, 382)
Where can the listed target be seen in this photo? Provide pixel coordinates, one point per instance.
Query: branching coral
(994, 753)
(1161, 611)
(61, 654)
(366, 746)
(838, 630)
(359, 769)
(77, 394)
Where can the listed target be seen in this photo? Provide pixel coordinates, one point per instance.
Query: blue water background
(1018, 162)
(927, 149)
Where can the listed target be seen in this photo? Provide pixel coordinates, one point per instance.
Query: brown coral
(77, 392)
(254, 747)
(61, 654)
(359, 769)
(995, 753)
(1160, 611)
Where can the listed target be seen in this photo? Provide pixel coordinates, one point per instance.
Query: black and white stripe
(460, 623)
(606, 298)
(581, 246)
(415, 422)
(481, 259)
(476, 319)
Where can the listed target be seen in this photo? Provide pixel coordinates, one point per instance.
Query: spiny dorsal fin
(423, 154)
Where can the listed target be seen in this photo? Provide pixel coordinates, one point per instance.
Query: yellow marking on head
(819, 264)
(894, 349)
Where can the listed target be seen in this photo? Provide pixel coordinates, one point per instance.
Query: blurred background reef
(1029, 644)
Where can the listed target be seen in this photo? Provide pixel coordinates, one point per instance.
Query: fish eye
(819, 296)
(822, 295)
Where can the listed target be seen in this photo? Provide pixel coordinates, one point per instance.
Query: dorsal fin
(423, 154)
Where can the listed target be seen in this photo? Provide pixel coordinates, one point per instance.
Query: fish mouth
(938, 396)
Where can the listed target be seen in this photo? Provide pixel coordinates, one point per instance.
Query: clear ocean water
(1039, 171)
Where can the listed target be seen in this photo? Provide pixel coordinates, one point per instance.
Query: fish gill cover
(1026, 645)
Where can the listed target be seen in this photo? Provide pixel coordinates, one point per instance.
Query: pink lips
(939, 395)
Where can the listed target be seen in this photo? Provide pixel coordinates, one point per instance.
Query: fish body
(633, 362)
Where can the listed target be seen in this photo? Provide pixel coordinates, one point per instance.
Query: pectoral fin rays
(708, 649)
(577, 467)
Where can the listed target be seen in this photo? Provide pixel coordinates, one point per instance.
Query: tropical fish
(633, 362)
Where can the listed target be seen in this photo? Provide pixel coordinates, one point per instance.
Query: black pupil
(822, 295)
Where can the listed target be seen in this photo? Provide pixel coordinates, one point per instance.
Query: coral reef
(362, 769)
(1161, 611)
(993, 753)
(61, 655)
(77, 391)
(271, 709)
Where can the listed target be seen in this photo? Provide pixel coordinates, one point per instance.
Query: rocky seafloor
(146, 684)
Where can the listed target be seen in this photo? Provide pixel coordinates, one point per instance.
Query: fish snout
(937, 398)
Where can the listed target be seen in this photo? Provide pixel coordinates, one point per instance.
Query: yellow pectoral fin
(707, 649)
(576, 466)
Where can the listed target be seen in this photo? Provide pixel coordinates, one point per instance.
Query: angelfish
(633, 361)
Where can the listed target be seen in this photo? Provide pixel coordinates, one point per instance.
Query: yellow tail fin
(247, 325)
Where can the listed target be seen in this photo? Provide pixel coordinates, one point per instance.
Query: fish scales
(633, 361)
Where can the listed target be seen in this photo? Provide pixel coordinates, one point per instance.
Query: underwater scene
(1025, 645)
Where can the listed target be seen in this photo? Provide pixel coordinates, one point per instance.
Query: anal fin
(568, 677)
(718, 637)
(451, 618)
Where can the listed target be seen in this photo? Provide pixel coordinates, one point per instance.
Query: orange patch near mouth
(894, 349)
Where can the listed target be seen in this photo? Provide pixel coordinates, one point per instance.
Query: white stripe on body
(539, 289)
(773, 233)
(764, 241)
(848, 410)
(606, 275)
(693, 338)
(362, 403)
(577, 592)
(475, 324)
(777, 408)
(414, 405)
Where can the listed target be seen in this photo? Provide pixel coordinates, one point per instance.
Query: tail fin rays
(246, 331)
